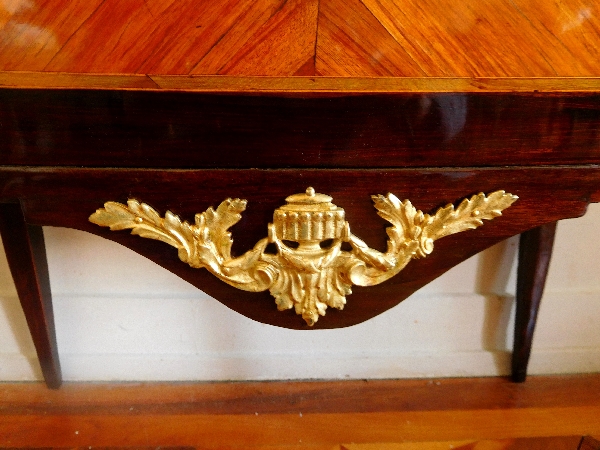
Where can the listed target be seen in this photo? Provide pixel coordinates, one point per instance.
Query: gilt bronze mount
(310, 271)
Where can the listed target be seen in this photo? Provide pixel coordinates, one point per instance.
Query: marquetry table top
(179, 44)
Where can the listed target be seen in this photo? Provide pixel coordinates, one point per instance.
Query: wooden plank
(251, 429)
(280, 397)
(318, 414)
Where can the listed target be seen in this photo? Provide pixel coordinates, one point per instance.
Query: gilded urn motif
(310, 271)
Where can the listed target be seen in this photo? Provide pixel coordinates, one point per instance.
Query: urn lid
(309, 201)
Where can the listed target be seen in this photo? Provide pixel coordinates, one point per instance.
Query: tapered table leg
(535, 250)
(26, 254)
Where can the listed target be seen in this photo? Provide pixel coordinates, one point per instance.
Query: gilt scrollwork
(309, 271)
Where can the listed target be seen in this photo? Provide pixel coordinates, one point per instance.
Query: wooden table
(182, 104)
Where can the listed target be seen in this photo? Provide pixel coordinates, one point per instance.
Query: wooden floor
(483, 413)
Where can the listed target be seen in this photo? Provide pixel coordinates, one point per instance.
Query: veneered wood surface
(535, 251)
(194, 130)
(26, 254)
(66, 197)
(542, 443)
(297, 86)
(340, 38)
(281, 414)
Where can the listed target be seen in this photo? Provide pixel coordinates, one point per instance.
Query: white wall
(120, 317)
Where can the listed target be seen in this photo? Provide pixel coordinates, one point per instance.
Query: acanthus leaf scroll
(308, 277)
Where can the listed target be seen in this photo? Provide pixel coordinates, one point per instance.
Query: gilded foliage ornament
(309, 276)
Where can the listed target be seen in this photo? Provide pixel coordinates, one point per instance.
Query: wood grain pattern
(311, 397)
(184, 130)
(440, 38)
(297, 86)
(548, 443)
(32, 33)
(398, 38)
(251, 431)
(535, 251)
(314, 415)
(352, 42)
(26, 254)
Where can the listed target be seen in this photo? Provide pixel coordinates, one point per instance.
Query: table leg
(535, 250)
(26, 254)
